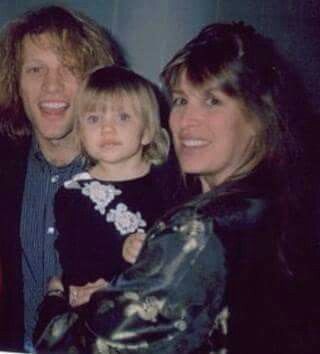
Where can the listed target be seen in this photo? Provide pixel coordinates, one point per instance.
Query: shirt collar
(37, 155)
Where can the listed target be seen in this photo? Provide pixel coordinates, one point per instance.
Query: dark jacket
(210, 276)
(12, 176)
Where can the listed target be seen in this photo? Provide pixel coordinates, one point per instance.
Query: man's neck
(59, 152)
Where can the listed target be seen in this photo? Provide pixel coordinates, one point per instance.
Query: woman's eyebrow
(212, 88)
(177, 91)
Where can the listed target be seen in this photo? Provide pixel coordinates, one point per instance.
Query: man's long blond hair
(73, 36)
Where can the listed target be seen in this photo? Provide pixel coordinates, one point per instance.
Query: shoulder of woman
(169, 182)
(240, 210)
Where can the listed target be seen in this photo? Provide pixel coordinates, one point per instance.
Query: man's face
(47, 89)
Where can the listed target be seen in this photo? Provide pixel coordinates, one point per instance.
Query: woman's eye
(92, 119)
(178, 101)
(212, 101)
(124, 117)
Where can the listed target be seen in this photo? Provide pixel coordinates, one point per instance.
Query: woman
(210, 276)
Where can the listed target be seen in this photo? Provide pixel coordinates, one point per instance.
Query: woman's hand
(132, 246)
(80, 295)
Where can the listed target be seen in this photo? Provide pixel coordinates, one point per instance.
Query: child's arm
(132, 246)
(80, 295)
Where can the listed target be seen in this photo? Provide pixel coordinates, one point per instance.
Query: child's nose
(107, 125)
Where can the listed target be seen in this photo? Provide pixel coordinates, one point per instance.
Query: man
(44, 56)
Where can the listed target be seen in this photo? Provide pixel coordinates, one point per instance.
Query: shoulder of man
(13, 162)
(13, 151)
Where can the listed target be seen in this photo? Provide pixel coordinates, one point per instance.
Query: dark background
(151, 31)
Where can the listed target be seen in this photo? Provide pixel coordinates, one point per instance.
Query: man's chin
(55, 136)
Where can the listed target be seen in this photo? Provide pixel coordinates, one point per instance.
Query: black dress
(94, 218)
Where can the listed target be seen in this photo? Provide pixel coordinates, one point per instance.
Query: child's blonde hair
(104, 85)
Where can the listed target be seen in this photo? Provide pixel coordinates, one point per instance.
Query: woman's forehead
(184, 83)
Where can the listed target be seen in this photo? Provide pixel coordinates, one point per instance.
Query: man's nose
(53, 81)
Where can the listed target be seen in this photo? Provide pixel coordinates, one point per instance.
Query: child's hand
(132, 246)
(80, 295)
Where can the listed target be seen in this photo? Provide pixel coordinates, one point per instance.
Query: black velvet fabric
(90, 247)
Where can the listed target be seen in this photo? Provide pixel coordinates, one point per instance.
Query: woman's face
(213, 133)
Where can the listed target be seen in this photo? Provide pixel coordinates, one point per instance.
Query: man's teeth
(194, 142)
(54, 105)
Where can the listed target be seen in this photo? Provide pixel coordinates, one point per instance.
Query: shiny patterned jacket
(208, 280)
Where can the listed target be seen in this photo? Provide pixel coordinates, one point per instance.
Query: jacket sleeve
(166, 302)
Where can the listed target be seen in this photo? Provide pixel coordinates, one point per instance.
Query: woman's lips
(194, 142)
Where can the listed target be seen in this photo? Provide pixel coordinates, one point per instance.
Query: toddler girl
(118, 123)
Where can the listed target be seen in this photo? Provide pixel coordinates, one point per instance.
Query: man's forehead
(42, 40)
(48, 42)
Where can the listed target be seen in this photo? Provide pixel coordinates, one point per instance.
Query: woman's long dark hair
(247, 66)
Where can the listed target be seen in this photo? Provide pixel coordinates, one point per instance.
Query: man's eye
(73, 70)
(34, 69)
(92, 119)
(178, 101)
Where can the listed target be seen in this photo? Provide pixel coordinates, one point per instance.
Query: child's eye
(178, 101)
(124, 117)
(92, 119)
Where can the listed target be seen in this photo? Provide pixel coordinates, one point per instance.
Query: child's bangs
(93, 101)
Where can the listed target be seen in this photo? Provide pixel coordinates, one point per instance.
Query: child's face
(114, 135)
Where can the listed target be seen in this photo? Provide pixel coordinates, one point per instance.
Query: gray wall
(151, 31)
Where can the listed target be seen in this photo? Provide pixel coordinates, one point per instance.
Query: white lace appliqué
(101, 195)
(125, 221)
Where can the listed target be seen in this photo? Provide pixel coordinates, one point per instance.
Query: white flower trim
(102, 195)
(73, 182)
(125, 221)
